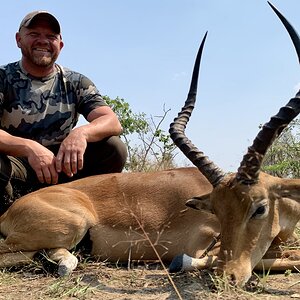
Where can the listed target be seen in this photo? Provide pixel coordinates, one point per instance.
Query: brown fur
(113, 208)
(254, 219)
(110, 207)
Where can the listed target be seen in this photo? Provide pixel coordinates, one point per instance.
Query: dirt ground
(93, 280)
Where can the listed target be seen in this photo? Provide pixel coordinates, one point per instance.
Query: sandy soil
(101, 281)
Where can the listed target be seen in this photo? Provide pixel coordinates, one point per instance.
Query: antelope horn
(177, 130)
(249, 168)
(290, 29)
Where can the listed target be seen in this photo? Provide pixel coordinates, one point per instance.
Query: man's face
(40, 45)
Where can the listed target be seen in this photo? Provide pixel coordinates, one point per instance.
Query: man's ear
(201, 202)
(18, 39)
(61, 43)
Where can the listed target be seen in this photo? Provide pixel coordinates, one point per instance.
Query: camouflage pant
(17, 178)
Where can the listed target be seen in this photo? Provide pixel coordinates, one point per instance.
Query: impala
(128, 215)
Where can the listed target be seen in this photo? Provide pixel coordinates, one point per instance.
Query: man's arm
(40, 158)
(103, 123)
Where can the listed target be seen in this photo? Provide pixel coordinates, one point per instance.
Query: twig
(158, 256)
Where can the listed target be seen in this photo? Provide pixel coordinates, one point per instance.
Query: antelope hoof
(176, 265)
(181, 263)
(66, 266)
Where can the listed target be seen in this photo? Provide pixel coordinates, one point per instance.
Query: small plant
(149, 146)
(282, 158)
(222, 284)
(262, 279)
(67, 287)
(288, 273)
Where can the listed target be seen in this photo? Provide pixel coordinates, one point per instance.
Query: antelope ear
(201, 202)
(290, 191)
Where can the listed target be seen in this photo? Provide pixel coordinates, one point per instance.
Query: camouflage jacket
(44, 109)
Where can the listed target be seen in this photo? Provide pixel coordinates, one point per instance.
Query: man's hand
(42, 161)
(103, 122)
(69, 158)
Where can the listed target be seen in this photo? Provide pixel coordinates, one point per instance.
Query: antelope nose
(232, 279)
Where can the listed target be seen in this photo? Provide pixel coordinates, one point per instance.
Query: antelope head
(248, 203)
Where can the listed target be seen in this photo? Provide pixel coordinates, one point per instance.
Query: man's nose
(43, 39)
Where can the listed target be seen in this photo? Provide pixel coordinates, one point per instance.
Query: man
(40, 103)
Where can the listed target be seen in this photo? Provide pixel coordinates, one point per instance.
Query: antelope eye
(260, 211)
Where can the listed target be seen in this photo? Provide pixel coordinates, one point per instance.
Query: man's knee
(5, 170)
(120, 153)
(14, 179)
(6, 191)
(106, 156)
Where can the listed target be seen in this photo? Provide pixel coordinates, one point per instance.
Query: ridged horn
(290, 29)
(177, 130)
(250, 166)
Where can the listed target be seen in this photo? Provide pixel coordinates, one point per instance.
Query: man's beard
(41, 61)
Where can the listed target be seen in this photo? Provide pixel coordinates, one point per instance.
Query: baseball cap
(42, 15)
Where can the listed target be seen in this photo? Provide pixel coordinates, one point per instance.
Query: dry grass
(97, 280)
